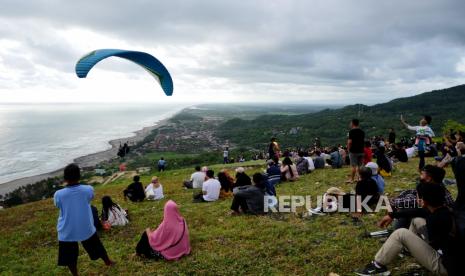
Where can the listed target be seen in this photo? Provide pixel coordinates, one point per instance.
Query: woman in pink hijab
(170, 240)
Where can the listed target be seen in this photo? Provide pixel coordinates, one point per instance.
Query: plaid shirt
(408, 199)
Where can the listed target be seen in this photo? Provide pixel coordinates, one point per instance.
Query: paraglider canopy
(147, 61)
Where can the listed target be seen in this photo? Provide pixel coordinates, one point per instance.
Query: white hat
(373, 166)
(335, 191)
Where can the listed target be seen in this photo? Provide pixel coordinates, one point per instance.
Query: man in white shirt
(197, 179)
(210, 189)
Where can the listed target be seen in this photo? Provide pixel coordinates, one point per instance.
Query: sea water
(40, 138)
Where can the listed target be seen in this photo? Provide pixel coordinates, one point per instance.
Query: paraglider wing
(147, 61)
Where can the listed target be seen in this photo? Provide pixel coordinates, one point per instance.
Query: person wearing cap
(154, 191)
(375, 176)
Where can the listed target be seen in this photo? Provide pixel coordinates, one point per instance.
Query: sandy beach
(87, 160)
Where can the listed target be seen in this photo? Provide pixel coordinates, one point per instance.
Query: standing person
(161, 164)
(75, 222)
(170, 241)
(135, 191)
(226, 156)
(423, 134)
(273, 149)
(355, 146)
(392, 136)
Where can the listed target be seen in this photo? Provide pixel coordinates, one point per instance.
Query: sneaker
(316, 211)
(372, 269)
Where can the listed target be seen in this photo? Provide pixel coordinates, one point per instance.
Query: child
(112, 213)
(423, 135)
(154, 191)
(75, 222)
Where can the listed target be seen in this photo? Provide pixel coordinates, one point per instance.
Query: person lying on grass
(170, 241)
(76, 223)
(250, 199)
(430, 238)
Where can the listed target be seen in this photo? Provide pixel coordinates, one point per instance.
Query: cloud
(345, 51)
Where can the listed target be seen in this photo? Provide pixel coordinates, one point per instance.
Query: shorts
(68, 252)
(356, 159)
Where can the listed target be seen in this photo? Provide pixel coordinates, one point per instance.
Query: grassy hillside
(221, 244)
(332, 124)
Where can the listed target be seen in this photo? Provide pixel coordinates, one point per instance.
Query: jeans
(423, 253)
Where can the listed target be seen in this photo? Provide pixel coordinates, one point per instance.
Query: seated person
(302, 164)
(249, 199)
(170, 241)
(154, 191)
(311, 165)
(319, 161)
(430, 232)
(112, 213)
(368, 153)
(196, 180)
(376, 177)
(367, 187)
(273, 172)
(384, 163)
(210, 189)
(289, 170)
(398, 153)
(242, 179)
(135, 191)
(408, 199)
(227, 183)
(335, 160)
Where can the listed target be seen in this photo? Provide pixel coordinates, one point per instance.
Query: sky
(314, 51)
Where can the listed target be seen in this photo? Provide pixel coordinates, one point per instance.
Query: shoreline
(88, 160)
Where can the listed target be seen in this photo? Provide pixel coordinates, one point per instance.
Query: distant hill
(331, 125)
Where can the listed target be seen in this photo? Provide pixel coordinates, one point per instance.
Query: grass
(221, 244)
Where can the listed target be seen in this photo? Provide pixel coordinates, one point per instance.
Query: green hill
(331, 125)
(221, 244)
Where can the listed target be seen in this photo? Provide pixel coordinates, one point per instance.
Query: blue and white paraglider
(147, 61)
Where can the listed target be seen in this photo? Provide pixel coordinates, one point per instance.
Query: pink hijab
(171, 238)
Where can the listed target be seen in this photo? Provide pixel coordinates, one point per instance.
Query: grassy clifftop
(221, 244)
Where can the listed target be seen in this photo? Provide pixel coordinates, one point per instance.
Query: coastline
(88, 160)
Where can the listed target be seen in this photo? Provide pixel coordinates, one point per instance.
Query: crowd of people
(427, 222)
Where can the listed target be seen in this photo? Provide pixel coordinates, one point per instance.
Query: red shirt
(368, 155)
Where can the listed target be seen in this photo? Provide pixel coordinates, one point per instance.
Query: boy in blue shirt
(75, 222)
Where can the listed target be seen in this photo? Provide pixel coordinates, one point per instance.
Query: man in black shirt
(355, 145)
(135, 191)
(431, 232)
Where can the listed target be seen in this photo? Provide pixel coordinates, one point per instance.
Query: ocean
(40, 138)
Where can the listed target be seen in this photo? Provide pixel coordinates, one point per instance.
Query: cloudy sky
(255, 51)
